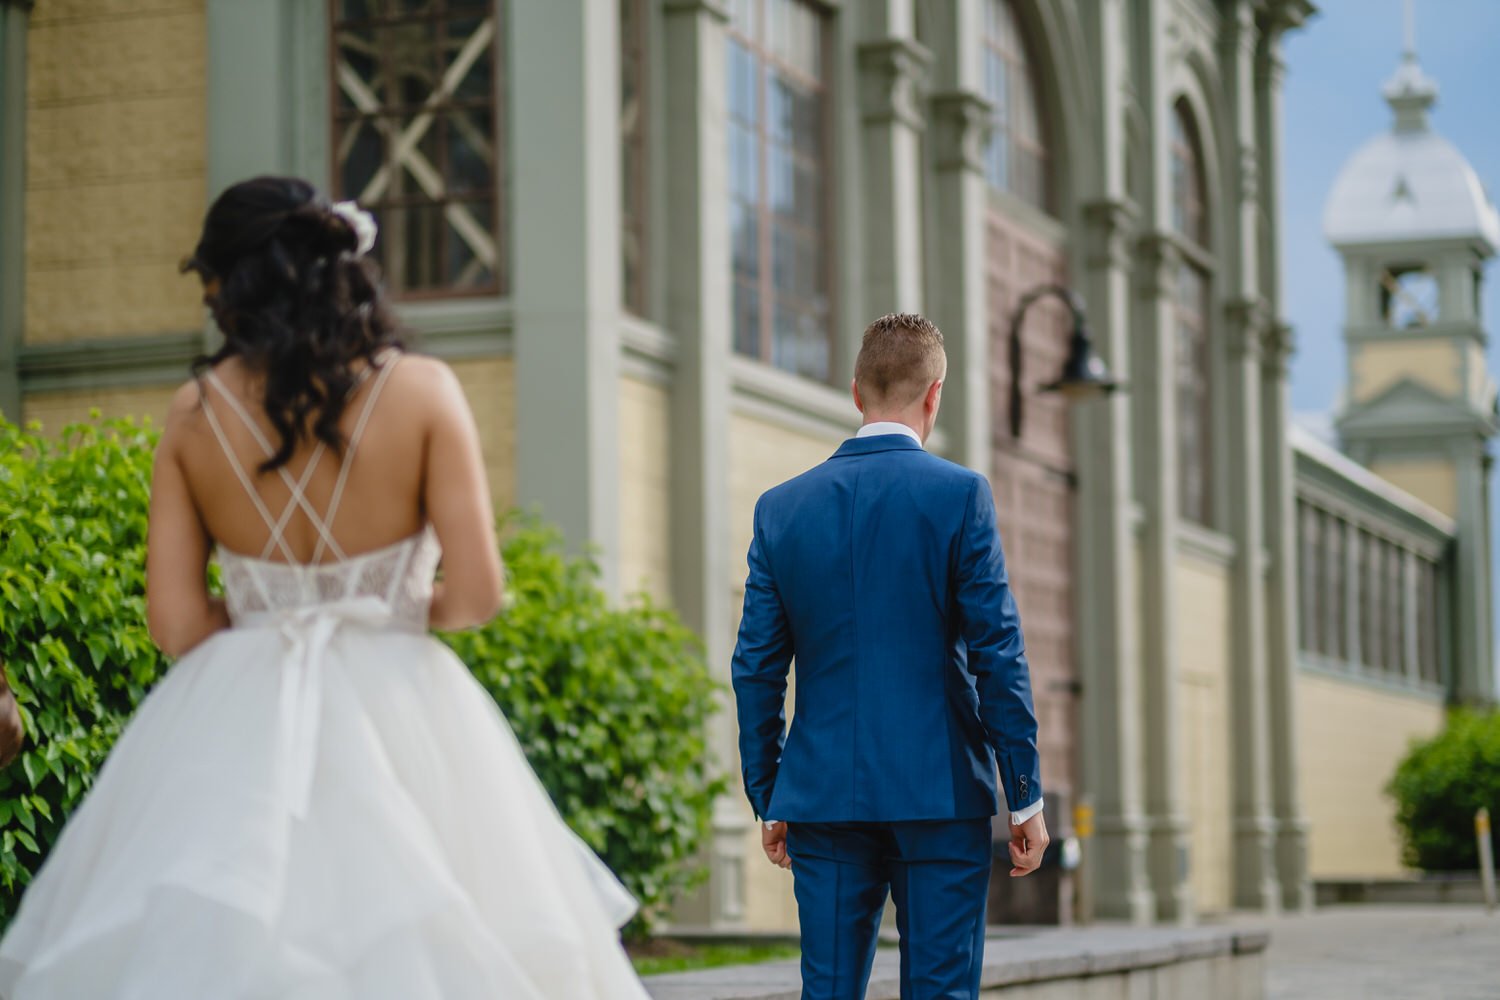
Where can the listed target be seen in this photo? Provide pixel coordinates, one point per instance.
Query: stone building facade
(648, 233)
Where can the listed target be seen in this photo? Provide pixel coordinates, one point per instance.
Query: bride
(318, 801)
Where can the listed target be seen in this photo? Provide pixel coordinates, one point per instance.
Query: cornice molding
(1158, 255)
(893, 73)
(716, 9)
(1246, 322)
(109, 363)
(1111, 225)
(961, 127)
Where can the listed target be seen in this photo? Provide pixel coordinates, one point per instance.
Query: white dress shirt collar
(888, 427)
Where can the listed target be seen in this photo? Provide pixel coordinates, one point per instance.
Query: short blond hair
(901, 356)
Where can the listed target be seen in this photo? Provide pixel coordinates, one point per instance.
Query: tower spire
(1410, 92)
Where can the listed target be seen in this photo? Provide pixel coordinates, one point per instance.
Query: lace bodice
(399, 575)
(390, 585)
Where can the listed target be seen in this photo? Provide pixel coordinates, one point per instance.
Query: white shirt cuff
(769, 824)
(1017, 818)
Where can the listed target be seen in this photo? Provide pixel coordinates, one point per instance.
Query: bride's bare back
(417, 462)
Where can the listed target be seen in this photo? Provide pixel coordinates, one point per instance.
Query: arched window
(1018, 159)
(1194, 372)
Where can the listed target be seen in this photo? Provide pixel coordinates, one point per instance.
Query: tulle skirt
(422, 860)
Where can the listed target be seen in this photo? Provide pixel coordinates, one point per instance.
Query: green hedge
(72, 619)
(609, 703)
(1440, 784)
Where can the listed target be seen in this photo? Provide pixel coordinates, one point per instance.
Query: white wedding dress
(319, 803)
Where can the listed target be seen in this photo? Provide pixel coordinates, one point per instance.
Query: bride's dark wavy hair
(294, 303)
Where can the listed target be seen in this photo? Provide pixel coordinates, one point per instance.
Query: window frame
(764, 286)
(635, 199)
(1194, 380)
(498, 219)
(1015, 52)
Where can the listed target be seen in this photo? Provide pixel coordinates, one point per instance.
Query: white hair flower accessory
(361, 222)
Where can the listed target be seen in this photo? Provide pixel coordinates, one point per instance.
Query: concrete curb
(1049, 956)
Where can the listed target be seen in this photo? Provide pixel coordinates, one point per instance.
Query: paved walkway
(1402, 952)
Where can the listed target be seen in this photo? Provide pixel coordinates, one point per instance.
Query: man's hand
(773, 842)
(12, 735)
(1027, 842)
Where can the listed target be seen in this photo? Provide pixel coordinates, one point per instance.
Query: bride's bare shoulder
(427, 383)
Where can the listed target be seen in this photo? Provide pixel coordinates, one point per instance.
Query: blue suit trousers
(938, 874)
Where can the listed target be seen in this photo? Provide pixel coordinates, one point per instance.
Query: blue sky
(1335, 68)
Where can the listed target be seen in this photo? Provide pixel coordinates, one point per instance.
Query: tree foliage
(1439, 786)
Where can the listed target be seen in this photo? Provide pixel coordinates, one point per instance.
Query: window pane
(776, 150)
(633, 174)
(1017, 159)
(1194, 427)
(416, 139)
(1189, 214)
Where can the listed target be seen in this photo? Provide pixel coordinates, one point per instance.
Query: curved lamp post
(1084, 375)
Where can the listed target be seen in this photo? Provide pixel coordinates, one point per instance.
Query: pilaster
(1112, 730)
(959, 116)
(1155, 419)
(564, 153)
(892, 69)
(279, 126)
(14, 15)
(698, 312)
(1279, 483)
(1110, 650)
(1254, 831)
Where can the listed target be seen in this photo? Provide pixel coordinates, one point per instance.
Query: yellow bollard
(1486, 857)
(1083, 829)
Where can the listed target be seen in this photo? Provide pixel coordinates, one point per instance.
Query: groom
(880, 573)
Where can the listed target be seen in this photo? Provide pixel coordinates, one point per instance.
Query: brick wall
(116, 155)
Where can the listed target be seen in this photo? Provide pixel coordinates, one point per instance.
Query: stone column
(698, 312)
(891, 69)
(14, 15)
(1105, 554)
(959, 205)
(1473, 662)
(1279, 491)
(565, 229)
(1246, 317)
(1153, 393)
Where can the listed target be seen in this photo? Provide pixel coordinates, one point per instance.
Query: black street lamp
(1084, 375)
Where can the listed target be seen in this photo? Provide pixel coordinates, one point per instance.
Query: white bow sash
(308, 632)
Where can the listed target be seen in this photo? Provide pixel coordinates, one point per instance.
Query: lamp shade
(1084, 374)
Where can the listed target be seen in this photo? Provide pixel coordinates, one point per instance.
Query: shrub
(72, 619)
(1440, 784)
(611, 705)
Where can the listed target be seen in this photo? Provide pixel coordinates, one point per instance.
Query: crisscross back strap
(275, 538)
(297, 487)
(387, 363)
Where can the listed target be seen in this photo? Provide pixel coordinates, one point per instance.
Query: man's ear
(934, 393)
(859, 404)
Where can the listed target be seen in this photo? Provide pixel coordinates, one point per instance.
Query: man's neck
(886, 425)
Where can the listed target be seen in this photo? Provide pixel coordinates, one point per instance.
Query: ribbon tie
(308, 632)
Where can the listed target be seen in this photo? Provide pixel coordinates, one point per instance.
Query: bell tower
(1415, 228)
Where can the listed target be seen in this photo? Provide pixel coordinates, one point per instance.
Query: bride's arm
(179, 610)
(456, 496)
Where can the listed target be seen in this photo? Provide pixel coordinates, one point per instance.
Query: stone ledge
(1041, 957)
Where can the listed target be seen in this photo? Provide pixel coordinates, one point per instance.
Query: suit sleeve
(991, 628)
(762, 657)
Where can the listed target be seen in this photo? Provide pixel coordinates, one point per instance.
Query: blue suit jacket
(880, 573)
